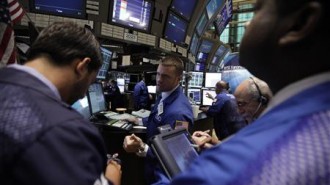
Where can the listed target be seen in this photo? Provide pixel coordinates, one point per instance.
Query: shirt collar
(295, 88)
(39, 76)
(167, 93)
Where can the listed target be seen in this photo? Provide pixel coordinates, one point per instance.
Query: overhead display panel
(183, 8)
(135, 14)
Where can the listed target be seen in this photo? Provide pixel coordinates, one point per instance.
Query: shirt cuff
(140, 122)
(143, 151)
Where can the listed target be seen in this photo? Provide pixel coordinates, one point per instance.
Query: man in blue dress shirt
(170, 108)
(224, 110)
(141, 96)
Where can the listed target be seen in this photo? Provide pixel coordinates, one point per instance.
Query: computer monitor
(201, 24)
(211, 79)
(195, 95)
(205, 100)
(213, 6)
(134, 14)
(175, 29)
(206, 46)
(202, 57)
(183, 8)
(196, 79)
(65, 8)
(174, 151)
(96, 98)
(120, 81)
(152, 89)
(199, 66)
(194, 44)
(82, 106)
(106, 57)
(223, 17)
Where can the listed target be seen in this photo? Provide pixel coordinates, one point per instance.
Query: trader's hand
(113, 172)
(132, 143)
(204, 109)
(204, 140)
(200, 138)
(133, 120)
(208, 95)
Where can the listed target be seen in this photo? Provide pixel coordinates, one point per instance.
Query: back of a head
(294, 34)
(173, 61)
(222, 85)
(63, 42)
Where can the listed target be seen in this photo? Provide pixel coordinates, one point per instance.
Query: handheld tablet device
(174, 150)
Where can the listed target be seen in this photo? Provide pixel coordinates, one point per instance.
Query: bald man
(252, 96)
(224, 110)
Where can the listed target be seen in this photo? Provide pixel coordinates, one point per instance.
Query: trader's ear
(81, 67)
(301, 24)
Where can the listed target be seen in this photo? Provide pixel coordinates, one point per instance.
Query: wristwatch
(141, 148)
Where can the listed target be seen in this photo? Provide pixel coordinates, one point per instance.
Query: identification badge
(160, 108)
(180, 124)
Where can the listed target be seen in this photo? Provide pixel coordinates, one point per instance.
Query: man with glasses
(252, 96)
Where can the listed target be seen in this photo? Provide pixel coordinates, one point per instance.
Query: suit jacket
(43, 140)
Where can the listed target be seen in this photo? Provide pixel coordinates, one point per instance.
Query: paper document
(141, 113)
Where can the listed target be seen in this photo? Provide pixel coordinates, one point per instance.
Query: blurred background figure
(141, 96)
(224, 111)
(113, 95)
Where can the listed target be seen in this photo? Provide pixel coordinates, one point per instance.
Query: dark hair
(173, 61)
(65, 41)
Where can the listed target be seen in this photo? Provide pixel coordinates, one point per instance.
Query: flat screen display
(183, 8)
(175, 29)
(106, 57)
(180, 148)
(65, 8)
(223, 17)
(214, 60)
(195, 95)
(135, 14)
(82, 107)
(194, 44)
(211, 79)
(196, 79)
(205, 100)
(220, 51)
(206, 46)
(201, 24)
(174, 150)
(152, 89)
(202, 57)
(199, 66)
(212, 7)
(96, 98)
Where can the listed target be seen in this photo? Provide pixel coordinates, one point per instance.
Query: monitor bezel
(165, 28)
(33, 9)
(164, 155)
(90, 102)
(110, 21)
